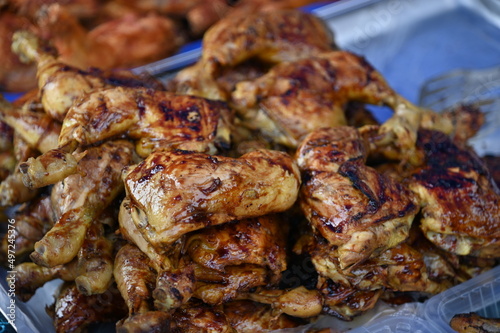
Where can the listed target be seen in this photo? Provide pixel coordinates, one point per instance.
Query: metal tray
(409, 42)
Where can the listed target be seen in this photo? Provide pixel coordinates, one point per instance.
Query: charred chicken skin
(355, 208)
(460, 200)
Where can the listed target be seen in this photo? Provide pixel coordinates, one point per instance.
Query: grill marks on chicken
(156, 119)
(176, 192)
(355, 208)
(460, 201)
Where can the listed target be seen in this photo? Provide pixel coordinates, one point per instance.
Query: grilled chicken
(249, 317)
(196, 316)
(81, 198)
(276, 37)
(460, 201)
(15, 75)
(30, 276)
(172, 193)
(73, 311)
(60, 84)
(474, 323)
(356, 209)
(135, 278)
(156, 119)
(237, 256)
(33, 220)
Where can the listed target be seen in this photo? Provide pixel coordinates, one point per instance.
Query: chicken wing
(355, 208)
(172, 193)
(460, 201)
(82, 197)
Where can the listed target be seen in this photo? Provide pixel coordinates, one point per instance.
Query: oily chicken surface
(175, 192)
(460, 201)
(79, 199)
(156, 119)
(351, 205)
(294, 98)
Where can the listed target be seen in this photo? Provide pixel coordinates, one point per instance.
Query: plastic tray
(409, 42)
(481, 295)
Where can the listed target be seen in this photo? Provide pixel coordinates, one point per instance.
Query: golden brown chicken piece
(234, 257)
(295, 98)
(156, 119)
(249, 317)
(298, 302)
(346, 302)
(196, 316)
(276, 37)
(74, 311)
(33, 220)
(460, 202)
(15, 76)
(400, 268)
(258, 241)
(95, 260)
(135, 278)
(29, 277)
(38, 129)
(81, 198)
(355, 208)
(60, 84)
(172, 193)
(474, 323)
(123, 42)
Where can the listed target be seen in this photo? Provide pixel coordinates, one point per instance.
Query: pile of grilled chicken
(252, 192)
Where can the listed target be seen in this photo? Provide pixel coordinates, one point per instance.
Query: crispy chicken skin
(74, 311)
(474, 323)
(156, 119)
(300, 96)
(81, 198)
(460, 201)
(176, 192)
(351, 205)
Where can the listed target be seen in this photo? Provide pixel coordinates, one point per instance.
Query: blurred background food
(112, 33)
